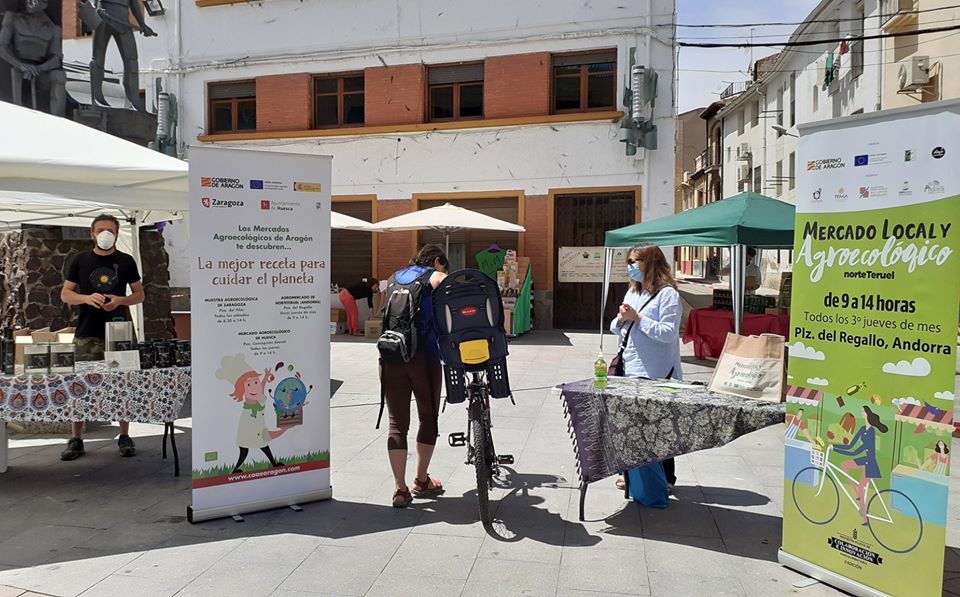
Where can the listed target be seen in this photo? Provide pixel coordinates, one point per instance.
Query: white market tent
(446, 218)
(44, 157)
(57, 172)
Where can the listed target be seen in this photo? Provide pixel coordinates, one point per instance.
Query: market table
(707, 328)
(635, 422)
(95, 394)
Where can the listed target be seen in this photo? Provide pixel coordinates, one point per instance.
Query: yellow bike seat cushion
(474, 352)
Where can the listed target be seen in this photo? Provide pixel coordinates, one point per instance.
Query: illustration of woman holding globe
(249, 389)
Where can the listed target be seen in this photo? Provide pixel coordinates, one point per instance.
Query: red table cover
(707, 328)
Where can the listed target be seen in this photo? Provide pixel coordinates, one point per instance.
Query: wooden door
(582, 220)
(351, 251)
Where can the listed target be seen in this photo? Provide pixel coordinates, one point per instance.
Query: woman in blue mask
(649, 321)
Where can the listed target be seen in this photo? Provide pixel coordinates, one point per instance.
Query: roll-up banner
(260, 296)
(876, 288)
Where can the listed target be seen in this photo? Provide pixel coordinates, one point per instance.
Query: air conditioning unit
(743, 152)
(743, 174)
(914, 73)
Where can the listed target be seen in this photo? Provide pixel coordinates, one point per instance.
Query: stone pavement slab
(103, 526)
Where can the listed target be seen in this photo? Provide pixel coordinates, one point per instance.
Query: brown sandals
(427, 487)
(401, 498)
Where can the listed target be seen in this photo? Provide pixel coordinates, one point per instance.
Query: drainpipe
(763, 132)
(645, 197)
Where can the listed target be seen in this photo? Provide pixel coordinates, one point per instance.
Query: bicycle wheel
(818, 509)
(478, 434)
(905, 530)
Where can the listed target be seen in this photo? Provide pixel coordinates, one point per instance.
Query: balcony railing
(898, 14)
(735, 88)
(700, 162)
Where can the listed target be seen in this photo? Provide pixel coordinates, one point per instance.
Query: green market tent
(747, 219)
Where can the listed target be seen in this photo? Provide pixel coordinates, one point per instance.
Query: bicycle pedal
(457, 440)
(505, 459)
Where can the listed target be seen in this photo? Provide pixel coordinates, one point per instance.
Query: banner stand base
(827, 577)
(195, 515)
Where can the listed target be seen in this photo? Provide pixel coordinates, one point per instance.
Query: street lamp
(154, 7)
(782, 130)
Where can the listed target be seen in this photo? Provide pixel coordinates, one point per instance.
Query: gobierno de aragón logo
(913, 244)
(825, 164)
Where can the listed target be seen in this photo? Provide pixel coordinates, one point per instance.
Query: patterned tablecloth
(634, 422)
(148, 396)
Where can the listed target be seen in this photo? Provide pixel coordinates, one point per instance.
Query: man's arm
(54, 53)
(70, 296)
(135, 298)
(138, 16)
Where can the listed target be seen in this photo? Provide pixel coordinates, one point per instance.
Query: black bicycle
(479, 442)
(468, 312)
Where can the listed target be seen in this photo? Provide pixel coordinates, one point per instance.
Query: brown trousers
(423, 377)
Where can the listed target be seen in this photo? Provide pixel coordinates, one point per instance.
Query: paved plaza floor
(104, 526)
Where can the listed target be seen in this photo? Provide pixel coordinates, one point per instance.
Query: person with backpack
(410, 363)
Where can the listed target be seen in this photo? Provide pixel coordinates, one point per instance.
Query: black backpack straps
(383, 394)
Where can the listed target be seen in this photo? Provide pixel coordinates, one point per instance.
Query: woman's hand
(628, 313)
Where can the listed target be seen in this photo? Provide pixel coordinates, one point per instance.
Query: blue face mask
(635, 273)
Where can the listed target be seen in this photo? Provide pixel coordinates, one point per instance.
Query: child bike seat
(468, 313)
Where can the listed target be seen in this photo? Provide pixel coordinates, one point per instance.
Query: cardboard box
(66, 335)
(44, 335)
(373, 328)
(338, 315)
(338, 327)
(508, 322)
(21, 338)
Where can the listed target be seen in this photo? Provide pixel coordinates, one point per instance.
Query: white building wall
(198, 45)
(812, 102)
(851, 95)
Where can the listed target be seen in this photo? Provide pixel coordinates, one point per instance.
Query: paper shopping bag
(752, 367)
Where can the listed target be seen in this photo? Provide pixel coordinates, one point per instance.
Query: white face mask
(105, 240)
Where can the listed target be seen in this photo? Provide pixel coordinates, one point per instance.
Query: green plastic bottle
(600, 373)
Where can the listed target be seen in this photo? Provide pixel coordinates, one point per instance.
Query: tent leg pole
(738, 265)
(135, 246)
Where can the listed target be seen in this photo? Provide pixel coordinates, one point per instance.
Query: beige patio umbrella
(446, 218)
(340, 221)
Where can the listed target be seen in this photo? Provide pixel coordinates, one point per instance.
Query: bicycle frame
(828, 468)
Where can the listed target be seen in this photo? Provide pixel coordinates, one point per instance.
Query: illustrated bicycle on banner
(891, 516)
(468, 311)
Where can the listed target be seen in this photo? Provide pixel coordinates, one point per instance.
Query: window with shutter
(584, 82)
(455, 92)
(232, 106)
(338, 101)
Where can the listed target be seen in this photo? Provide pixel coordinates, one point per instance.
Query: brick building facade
(507, 109)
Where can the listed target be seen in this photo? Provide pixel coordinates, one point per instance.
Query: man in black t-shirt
(97, 282)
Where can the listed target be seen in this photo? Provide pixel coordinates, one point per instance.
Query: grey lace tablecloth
(634, 422)
(148, 396)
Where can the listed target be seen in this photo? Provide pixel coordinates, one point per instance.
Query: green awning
(746, 219)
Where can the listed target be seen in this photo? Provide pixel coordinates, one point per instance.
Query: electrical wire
(791, 70)
(771, 35)
(816, 42)
(829, 21)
